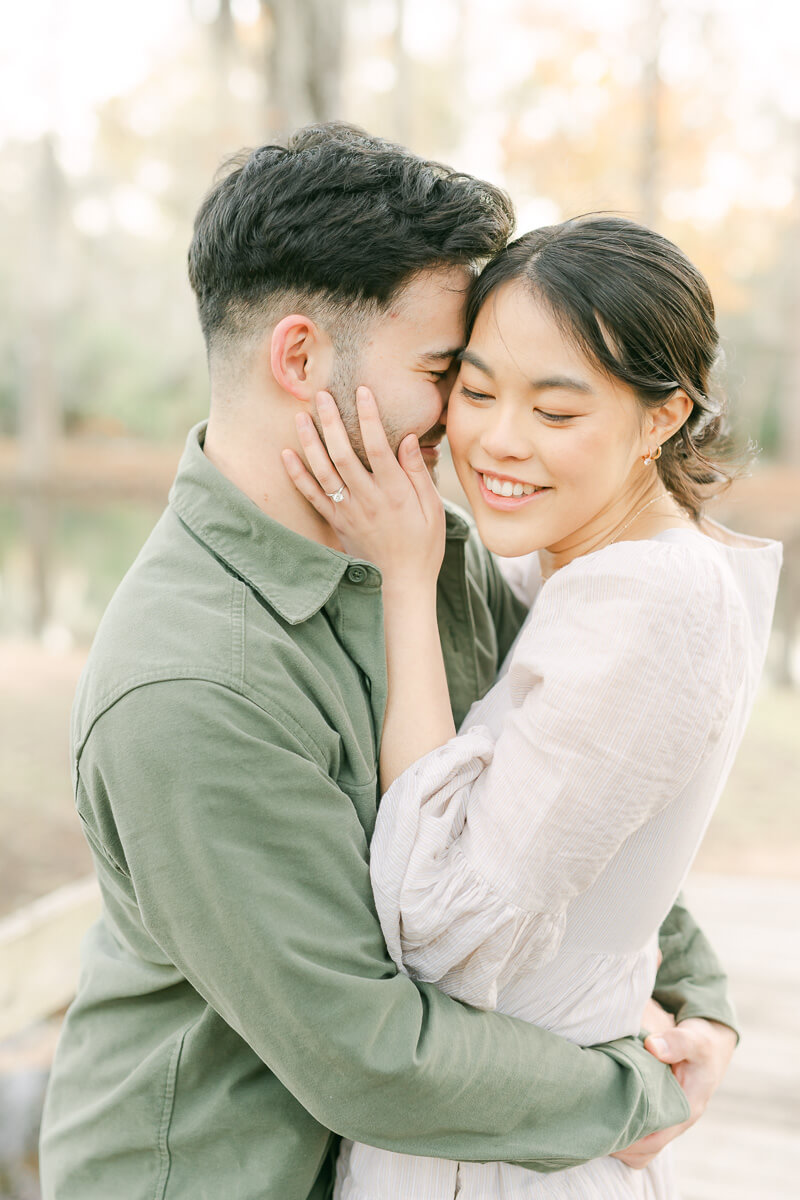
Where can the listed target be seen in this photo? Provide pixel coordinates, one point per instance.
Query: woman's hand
(392, 517)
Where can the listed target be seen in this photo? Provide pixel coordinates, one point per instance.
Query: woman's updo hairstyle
(635, 305)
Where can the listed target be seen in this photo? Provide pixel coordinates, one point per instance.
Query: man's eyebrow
(437, 356)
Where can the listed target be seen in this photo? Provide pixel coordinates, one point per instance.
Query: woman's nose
(504, 438)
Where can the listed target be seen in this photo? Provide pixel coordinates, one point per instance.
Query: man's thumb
(668, 1047)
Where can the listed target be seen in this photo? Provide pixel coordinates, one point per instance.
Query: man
(237, 1003)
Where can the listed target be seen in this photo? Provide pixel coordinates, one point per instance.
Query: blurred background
(682, 113)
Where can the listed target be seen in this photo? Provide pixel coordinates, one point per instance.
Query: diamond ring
(336, 496)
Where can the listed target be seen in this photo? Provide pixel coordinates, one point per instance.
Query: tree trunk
(40, 414)
(402, 90)
(651, 103)
(40, 417)
(305, 62)
(790, 393)
(223, 50)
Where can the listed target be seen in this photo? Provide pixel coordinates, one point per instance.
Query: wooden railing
(39, 949)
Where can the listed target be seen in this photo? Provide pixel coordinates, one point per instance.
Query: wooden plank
(748, 1142)
(84, 468)
(39, 951)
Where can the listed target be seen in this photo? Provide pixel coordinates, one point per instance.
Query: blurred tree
(790, 406)
(305, 61)
(40, 402)
(649, 205)
(562, 123)
(402, 91)
(223, 34)
(40, 415)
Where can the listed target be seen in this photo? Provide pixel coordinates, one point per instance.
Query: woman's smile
(506, 494)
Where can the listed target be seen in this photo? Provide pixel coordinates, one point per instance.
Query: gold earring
(651, 457)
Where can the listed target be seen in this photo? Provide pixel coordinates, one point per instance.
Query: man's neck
(247, 452)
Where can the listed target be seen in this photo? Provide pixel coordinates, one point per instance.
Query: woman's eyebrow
(470, 357)
(565, 382)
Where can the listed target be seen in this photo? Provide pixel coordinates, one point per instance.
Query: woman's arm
(418, 715)
(392, 517)
(616, 688)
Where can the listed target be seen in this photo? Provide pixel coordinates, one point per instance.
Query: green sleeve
(250, 869)
(508, 611)
(690, 981)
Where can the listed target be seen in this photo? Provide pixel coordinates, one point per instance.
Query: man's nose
(444, 387)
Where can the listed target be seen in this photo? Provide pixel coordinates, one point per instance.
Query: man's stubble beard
(342, 387)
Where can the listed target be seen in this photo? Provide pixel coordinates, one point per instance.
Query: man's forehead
(443, 288)
(425, 321)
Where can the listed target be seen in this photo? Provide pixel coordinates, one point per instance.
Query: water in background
(60, 563)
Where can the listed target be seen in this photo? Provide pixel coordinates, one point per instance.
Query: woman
(528, 863)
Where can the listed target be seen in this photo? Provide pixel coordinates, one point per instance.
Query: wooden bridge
(747, 1146)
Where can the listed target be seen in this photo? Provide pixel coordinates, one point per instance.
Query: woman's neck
(641, 514)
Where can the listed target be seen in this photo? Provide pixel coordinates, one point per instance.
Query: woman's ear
(300, 357)
(667, 419)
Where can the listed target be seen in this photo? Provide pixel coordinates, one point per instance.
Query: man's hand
(655, 1019)
(699, 1052)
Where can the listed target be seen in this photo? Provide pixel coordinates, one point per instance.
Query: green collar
(295, 575)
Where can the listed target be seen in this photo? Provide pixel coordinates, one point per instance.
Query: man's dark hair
(336, 219)
(635, 305)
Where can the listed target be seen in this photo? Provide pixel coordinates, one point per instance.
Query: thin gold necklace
(635, 516)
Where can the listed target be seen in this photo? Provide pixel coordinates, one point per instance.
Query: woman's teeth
(504, 487)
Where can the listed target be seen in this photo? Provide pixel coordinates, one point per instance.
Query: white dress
(528, 864)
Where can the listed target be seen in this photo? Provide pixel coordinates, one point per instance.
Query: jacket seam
(167, 1110)
(640, 1076)
(98, 847)
(275, 712)
(238, 602)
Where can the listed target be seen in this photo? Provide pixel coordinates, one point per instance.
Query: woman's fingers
(335, 463)
(308, 486)
(376, 444)
(410, 458)
(338, 446)
(316, 454)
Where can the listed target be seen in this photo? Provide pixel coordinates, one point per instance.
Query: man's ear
(300, 357)
(667, 419)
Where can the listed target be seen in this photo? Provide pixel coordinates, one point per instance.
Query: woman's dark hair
(335, 214)
(636, 306)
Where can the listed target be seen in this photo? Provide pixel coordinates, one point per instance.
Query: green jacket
(236, 1002)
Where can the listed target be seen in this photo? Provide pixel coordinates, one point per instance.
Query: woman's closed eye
(480, 397)
(556, 418)
(485, 397)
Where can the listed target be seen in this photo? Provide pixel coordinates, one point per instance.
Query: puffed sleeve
(619, 684)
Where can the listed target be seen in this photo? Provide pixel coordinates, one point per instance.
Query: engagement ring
(336, 496)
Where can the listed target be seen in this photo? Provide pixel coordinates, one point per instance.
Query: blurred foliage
(547, 98)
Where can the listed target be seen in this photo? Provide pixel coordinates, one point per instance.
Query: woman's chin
(508, 543)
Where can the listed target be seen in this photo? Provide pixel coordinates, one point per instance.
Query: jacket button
(356, 574)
